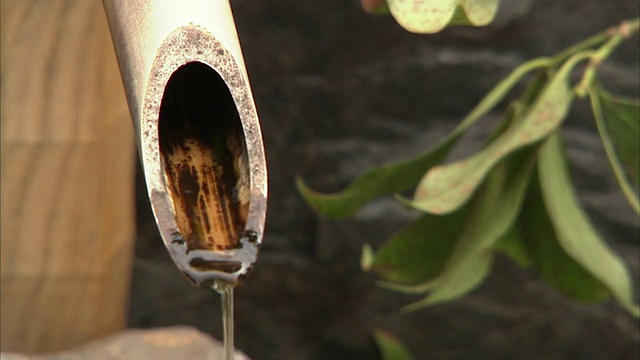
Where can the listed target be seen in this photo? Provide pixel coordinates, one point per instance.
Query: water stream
(225, 290)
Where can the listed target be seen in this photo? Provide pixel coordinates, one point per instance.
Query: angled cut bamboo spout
(197, 130)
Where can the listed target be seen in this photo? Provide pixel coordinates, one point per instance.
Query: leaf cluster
(514, 196)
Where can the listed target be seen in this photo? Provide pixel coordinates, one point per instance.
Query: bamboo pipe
(197, 130)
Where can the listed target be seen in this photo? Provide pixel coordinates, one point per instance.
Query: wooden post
(67, 177)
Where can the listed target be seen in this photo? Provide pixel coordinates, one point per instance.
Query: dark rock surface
(338, 91)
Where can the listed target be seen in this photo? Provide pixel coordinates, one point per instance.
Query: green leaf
(538, 239)
(447, 187)
(375, 7)
(390, 347)
(575, 233)
(398, 177)
(476, 12)
(493, 213)
(373, 183)
(367, 258)
(618, 121)
(419, 251)
(426, 17)
(511, 245)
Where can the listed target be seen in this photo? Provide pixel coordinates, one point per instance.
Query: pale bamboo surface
(67, 177)
(153, 39)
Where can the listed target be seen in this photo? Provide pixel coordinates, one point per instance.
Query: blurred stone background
(339, 91)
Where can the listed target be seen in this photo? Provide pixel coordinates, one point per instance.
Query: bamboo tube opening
(204, 159)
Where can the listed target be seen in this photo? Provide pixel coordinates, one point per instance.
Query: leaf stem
(588, 43)
(615, 36)
(626, 28)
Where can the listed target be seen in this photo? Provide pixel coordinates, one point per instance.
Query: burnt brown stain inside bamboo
(204, 157)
